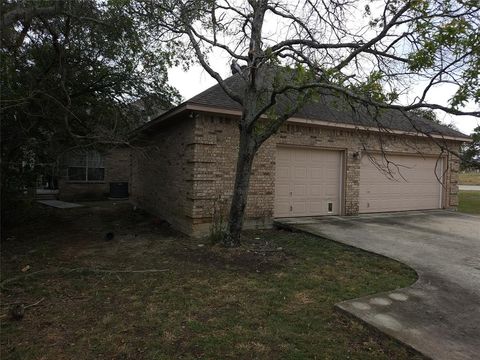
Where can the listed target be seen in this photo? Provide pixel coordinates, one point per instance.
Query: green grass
(469, 178)
(212, 303)
(469, 202)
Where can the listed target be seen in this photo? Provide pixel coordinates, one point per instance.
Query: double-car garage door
(309, 182)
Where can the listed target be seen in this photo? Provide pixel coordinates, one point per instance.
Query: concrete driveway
(439, 315)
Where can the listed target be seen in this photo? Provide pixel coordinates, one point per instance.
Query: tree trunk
(246, 154)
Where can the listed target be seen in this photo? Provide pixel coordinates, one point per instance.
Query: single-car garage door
(411, 183)
(308, 182)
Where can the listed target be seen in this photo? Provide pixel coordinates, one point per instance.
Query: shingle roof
(331, 108)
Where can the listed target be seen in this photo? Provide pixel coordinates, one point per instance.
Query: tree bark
(246, 154)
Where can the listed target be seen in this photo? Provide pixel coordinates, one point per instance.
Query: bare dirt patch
(247, 258)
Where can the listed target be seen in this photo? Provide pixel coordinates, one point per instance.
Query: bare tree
(295, 51)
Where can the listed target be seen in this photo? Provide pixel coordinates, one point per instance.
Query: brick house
(326, 160)
(87, 174)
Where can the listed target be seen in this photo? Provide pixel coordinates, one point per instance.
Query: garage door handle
(290, 193)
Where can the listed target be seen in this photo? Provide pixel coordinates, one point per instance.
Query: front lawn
(469, 202)
(272, 298)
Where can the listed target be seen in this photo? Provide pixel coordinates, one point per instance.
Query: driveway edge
(340, 307)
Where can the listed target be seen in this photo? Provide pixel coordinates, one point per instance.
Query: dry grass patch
(469, 178)
(271, 298)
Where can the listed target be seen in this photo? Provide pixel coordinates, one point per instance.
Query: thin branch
(376, 39)
(236, 97)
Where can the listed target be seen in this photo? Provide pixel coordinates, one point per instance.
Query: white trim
(323, 123)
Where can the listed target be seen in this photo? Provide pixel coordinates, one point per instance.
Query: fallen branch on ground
(86, 270)
(267, 250)
(25, 306)
(34, 304)
(22, 307)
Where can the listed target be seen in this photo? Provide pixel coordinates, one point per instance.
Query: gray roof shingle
(331, 108)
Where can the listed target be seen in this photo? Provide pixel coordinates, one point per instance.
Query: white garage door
(412, 184)
(307, 182)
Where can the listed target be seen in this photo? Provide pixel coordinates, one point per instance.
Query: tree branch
(232, 94)
(19, 13)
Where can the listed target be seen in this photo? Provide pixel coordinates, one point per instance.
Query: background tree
(296, 51)
(70, 72)
(471, 152)
(433, 117)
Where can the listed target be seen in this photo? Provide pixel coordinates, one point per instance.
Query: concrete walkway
(439, 315)
(469, 187)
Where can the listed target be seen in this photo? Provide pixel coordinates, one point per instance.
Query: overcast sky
(196, 79)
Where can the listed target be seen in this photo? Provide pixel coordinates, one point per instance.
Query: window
(330, 207)
(86, 166)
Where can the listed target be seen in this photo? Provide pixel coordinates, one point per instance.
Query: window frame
(86, 155)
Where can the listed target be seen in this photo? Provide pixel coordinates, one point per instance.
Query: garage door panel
(316, 190)
(283, 190)
(282, 207)
(300, 172)
(314, 180)
(282, 157)
(410, 186)
(299, 207)
(330, 173)
(299, 190)
(283, 173)
(314, 173)
(299, 156)
(316, 206)
(331, 191)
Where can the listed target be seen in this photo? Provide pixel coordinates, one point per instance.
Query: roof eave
(217, 110)
(190, 106)
(162, 117)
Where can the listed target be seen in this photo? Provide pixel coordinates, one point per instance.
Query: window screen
(86, 166)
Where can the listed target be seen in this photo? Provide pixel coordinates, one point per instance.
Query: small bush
(218, 226)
